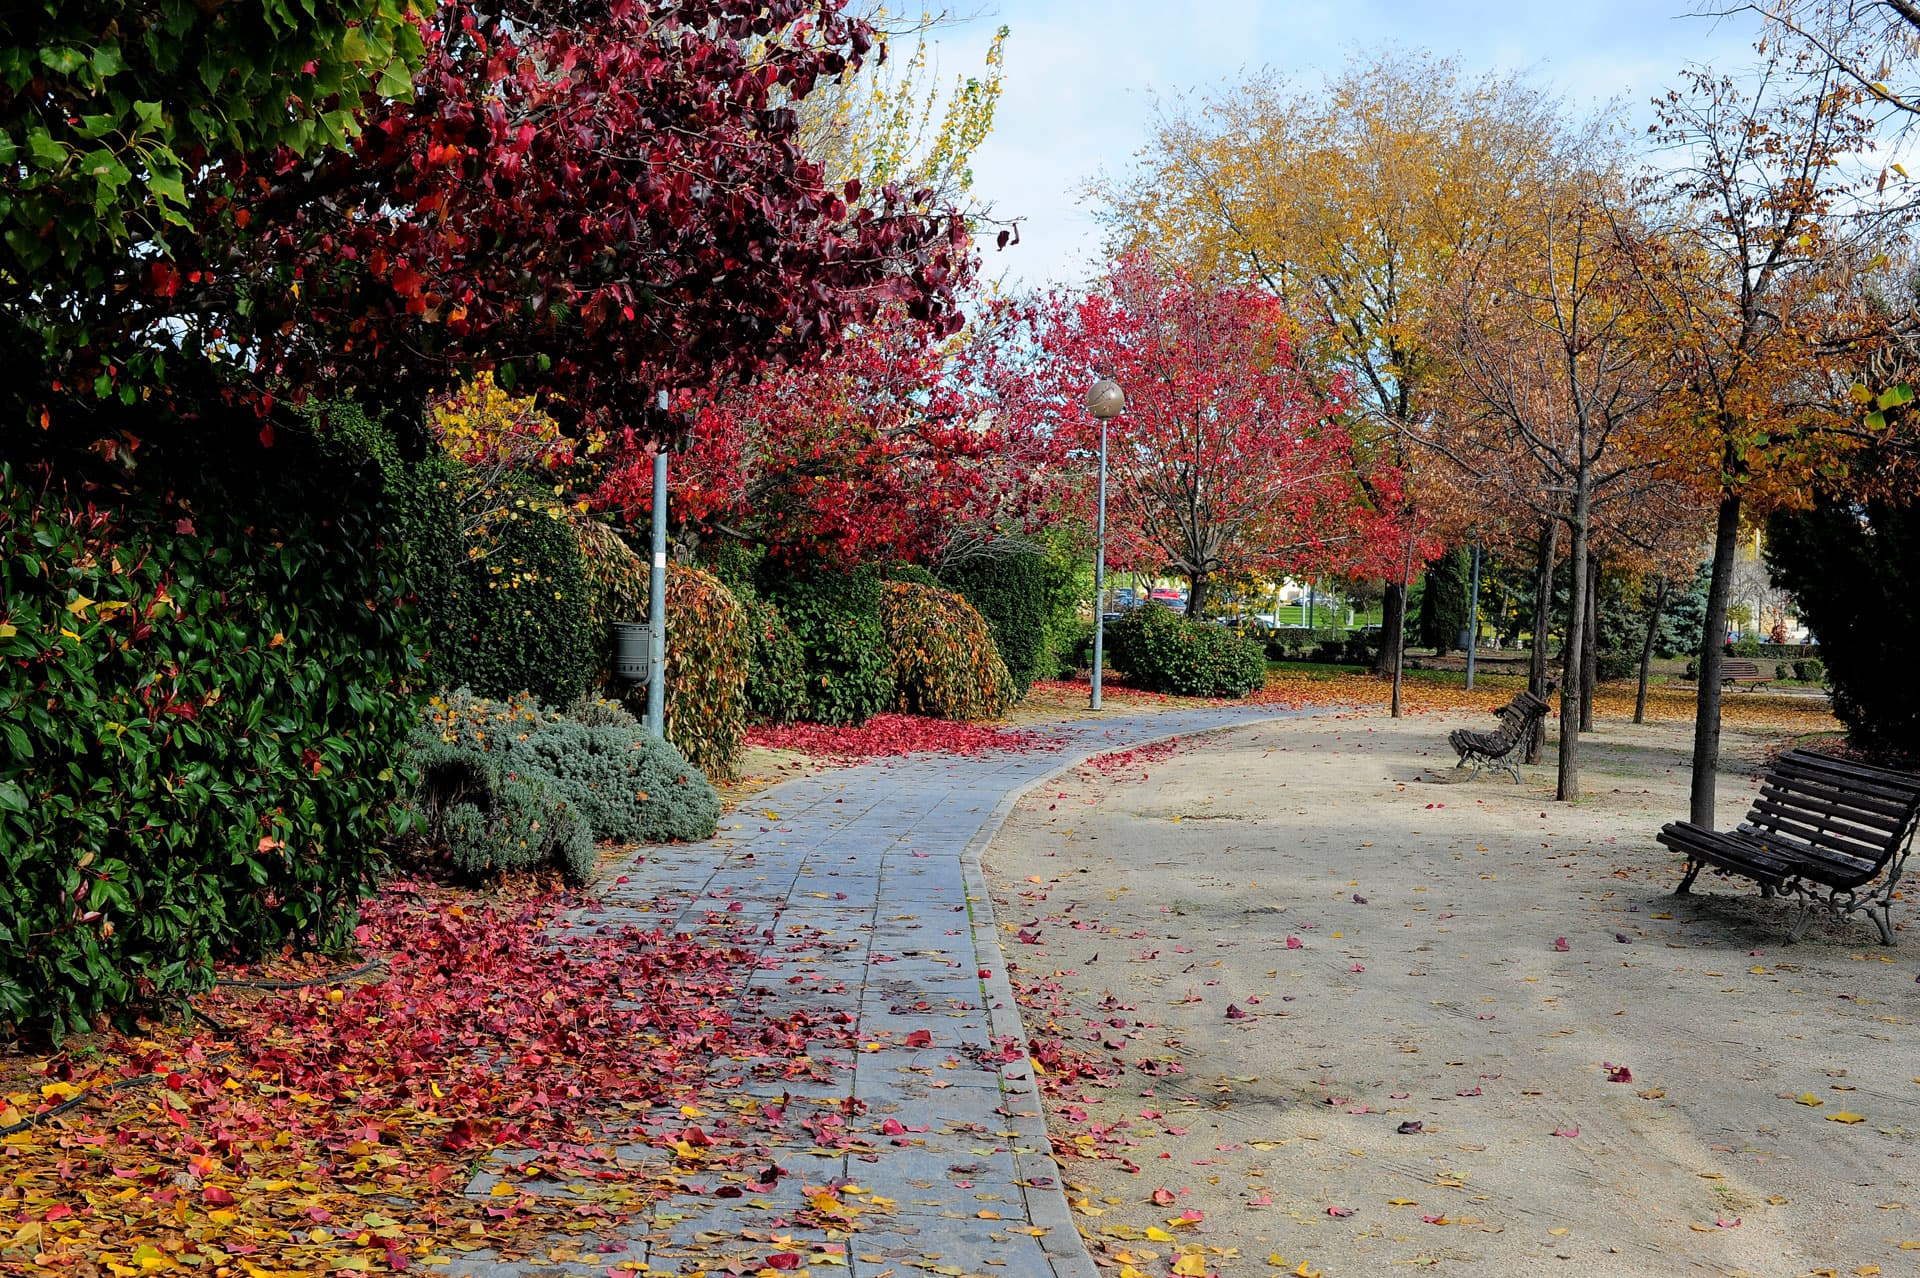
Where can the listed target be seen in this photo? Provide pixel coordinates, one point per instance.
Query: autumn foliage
(944, 660)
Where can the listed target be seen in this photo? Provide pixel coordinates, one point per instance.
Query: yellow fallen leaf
(1559, 1233)
(1808, 1098)
(501, 1190)
(1845, 1116)
(1867, 1271)
(986, 1215)
(1276, 1260)
(1305, 1272)
(1129, 1271)
(1191, 1267)
(1157, 1234)
(1401, 1202)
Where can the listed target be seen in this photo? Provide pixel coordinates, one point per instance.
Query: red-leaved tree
(1226, 463)
(882, 449)
(593, 198)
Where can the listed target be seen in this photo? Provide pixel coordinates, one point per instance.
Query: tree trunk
(1590, 644)
(1542, 626)
(1570, 688)
(1393, 627)
(1196, 593)
(1713, 638)
(1646, 651)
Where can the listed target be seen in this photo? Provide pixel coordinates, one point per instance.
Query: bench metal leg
(1686, 883)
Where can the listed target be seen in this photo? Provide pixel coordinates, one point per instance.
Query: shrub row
(1162, 652)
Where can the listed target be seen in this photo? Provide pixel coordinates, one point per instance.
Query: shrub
(598, 712)
(1162, 652)
(835, 614)
(518, 617)
(1010, 591)
(1611, 667)
(944, 661)
(528, 827)
(1854, 571)
(204, 682)
(912, 573)
(776, 665)
(1744, 648)
(620, 781)
(1811, 670)
(709, 646)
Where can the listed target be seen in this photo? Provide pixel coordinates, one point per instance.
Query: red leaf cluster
(888, 735)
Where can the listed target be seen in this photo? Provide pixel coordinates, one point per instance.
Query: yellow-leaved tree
(1351, 200)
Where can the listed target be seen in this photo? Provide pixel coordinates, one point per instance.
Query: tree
(1755, 280)
(594, 210)
(1445, 605)
(1227, 462)
(1554, 386)
(879, 450)
(1350, 204)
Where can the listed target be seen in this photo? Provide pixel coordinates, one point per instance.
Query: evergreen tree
(1445, 603)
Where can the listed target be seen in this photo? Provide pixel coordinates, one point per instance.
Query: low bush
(944, 661)
(1611, 667)
(1010, 591)
(1811, 670)
(835, 614)
(205, 679)
(1161, 652)
(611, 780)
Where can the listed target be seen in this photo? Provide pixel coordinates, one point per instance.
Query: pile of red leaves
(337, 1126)
(888, 735)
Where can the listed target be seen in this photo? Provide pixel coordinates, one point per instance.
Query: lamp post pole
(1106, 402)
(1473, 615)
(657, 590)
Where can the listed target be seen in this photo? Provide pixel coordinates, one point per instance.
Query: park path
(861, 890)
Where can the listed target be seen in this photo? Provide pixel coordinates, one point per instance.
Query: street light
(1105, 401)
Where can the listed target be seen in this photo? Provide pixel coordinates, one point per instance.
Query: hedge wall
(205, 683)
(1162, 652)
(1011, 592)
(944, 660)
(835, 614)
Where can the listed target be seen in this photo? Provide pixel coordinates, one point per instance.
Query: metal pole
(1100, 574)
(657, 602)
(1473, 615)
(1400, 649)
(1309, 603)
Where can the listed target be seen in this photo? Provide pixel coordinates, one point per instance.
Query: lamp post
(1105, 401)
(657, 587)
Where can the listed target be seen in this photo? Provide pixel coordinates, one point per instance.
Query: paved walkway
(861, 889)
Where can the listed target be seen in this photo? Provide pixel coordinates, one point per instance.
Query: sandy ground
(1427, 1080)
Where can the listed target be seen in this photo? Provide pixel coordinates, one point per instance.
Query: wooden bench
(1744, 670)
(1822, 829)
(1497, 749)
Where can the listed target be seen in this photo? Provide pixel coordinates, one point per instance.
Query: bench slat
(1794, 791)
(1846, 825)
(1869, 848)
(1849, 778)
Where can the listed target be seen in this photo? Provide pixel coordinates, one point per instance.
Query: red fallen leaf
(1235, 1014)
(217, 1196)
(1568, 1132)
(893, 1127)
(1163, 1197)
(397, 1259)
(1295, 943)
(1192, 1216)
(1560, 944)
(920, 1038)
(784, 1260)
(697, 1138)
(1618, 1074)
(1339, 1211)
(58, 1212)
(1412, 1127)
(1724, 1223)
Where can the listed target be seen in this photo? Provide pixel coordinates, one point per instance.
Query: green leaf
(107, 61)
(395, 82)
(1894, 396)
(46, 152)
(1876, 421)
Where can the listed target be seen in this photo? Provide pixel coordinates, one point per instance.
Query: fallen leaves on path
(889, 735)
(337, 1127)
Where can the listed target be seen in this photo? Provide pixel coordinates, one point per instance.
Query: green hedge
(205, 683)
(776, 664)
(1011, 592)
(517, 619)
(1161, 652)
(835, 615)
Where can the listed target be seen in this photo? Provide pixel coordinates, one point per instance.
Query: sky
(1084, 77)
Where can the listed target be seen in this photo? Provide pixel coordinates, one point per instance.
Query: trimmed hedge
(1011, 592)
(518, 618)
(835, 614)
(205, 682)
(709, 646)
(944, 660)
(1161, 652)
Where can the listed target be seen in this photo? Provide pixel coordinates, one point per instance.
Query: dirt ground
(1365, 1016)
